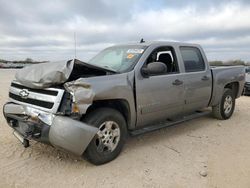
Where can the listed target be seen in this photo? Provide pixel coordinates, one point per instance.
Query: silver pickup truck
(90, 108)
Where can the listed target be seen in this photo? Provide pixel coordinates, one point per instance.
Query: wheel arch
(234, 86)
(219, 89)
(120, 105)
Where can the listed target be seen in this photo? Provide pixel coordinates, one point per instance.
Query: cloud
(45, 30)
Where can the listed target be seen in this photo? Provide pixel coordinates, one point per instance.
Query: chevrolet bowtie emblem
(24, 93)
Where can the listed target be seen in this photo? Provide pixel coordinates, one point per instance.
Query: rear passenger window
(192, 59)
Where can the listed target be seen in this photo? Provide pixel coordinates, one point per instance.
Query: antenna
(142, 40)
(75, 42)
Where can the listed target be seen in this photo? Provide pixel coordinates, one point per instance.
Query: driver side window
(164, 55)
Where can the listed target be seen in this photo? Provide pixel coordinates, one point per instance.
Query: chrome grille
(44, 99)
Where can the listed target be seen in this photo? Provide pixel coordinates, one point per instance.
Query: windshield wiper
(109, 68)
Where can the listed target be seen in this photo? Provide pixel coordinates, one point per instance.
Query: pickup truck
(89, 109)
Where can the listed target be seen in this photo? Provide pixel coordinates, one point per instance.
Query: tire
(108, 142)
(225, 108)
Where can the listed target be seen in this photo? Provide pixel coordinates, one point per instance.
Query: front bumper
(60, 131)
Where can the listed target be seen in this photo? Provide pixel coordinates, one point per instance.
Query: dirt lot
(171, 157)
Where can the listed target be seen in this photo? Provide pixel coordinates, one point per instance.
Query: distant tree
(18, 63)
(3, 61)
(216, 63)
(234, 62)
(28, 60)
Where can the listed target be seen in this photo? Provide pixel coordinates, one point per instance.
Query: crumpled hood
(83, 81)
(45, 74)
(54, 73)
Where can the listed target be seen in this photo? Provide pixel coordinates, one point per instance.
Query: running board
(169, 123)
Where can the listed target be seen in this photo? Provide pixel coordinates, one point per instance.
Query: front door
(160, 97)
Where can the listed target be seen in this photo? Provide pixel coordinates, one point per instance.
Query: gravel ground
(204, 152)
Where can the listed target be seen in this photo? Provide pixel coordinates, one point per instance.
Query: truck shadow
(191, 130)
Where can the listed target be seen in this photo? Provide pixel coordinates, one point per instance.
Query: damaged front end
(71, 135)
(82, 95)
(60, 131)
(39, 107)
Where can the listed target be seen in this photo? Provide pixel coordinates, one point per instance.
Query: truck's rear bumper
(59, 131)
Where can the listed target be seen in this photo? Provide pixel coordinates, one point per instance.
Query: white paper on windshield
(135, 51)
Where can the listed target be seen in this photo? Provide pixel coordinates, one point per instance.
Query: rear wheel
(225, 108)
(109, 140)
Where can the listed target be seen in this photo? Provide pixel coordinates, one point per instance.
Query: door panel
(198, 79)
(159, 98)
(197, 90)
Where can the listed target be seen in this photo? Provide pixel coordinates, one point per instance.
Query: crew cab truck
(90, 108)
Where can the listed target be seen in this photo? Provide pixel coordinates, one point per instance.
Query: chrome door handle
(205, 78)
(177, 82)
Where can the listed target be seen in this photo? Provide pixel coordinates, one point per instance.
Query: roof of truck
(159, 43)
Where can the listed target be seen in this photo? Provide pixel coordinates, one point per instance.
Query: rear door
(198, 79)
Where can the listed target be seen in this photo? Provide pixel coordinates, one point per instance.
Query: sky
(44, 30)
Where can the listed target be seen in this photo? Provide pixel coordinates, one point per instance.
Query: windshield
(118, 58)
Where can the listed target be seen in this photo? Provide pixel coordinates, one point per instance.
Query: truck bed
(224, 75)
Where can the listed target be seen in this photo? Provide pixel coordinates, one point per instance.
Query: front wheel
(109, 140)
(225, 108)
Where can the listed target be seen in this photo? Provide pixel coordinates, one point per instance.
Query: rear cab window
(192, 59)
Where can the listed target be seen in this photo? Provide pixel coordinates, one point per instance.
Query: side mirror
(154, 68)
